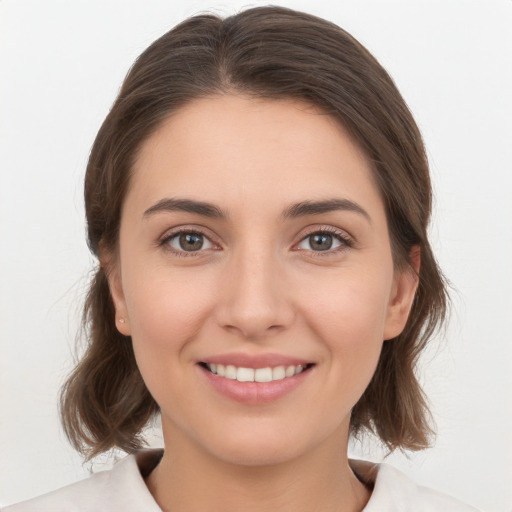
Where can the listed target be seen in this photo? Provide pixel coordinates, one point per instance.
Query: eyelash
(346, 241)
(182, 254)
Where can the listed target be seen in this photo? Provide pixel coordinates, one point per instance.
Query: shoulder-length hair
(266, 52)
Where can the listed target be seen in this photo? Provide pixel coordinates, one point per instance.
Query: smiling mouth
(267, 374)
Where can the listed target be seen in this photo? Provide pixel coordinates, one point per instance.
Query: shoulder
(395, 492)
(121, 488)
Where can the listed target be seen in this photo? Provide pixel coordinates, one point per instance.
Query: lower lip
(254, 393)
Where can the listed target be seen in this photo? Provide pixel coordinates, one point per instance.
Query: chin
(255, 454)
(265, 445)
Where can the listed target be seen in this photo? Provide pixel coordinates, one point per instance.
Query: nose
(253, 300)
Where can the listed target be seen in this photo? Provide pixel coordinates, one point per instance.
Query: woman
(258, 199)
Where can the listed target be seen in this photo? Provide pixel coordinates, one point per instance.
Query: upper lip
(255, 360)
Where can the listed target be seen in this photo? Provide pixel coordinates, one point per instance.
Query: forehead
(232, 149)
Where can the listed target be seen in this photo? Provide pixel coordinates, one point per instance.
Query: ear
(402, 295)
(113, 273)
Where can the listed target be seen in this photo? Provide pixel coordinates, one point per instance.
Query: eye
(324, 240)
(188, 241)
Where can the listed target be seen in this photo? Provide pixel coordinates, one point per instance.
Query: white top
(123, 489)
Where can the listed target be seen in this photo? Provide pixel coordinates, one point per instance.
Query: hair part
(273, 53)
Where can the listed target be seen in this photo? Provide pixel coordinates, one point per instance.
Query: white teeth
(245, 375)
(266, 374)
(230, 372)
(263, 375)
(278, 373)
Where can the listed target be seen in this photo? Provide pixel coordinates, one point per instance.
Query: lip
(255, 393)
(255, 360)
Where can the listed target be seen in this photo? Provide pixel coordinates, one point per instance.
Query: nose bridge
(254, 300)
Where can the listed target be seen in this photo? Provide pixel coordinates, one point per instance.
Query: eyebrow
(329, 205)
(186, 205)
(291, 212)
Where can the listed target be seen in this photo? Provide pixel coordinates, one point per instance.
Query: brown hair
(266, 52)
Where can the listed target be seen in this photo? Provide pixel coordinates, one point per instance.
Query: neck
(190, 480)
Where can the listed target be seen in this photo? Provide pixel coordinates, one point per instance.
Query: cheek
(349, 315)
(352, 303)
(166, 312)
(165, 309)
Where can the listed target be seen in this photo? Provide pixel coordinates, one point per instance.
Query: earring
(121, 320)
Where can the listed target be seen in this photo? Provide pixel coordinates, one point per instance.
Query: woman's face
(254, 244)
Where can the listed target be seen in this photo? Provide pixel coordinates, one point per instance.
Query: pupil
(321, 242)
(191, 242)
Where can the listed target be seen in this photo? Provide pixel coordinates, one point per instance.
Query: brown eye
(189, 242)
(322, 241)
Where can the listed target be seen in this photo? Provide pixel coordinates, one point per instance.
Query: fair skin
(260, 279)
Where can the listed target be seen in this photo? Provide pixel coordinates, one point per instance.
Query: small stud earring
(121, 320)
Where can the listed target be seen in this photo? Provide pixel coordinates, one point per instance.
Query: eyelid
(347, 241)
(168, 235)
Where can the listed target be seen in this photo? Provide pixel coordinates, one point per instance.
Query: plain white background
(61, 65)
